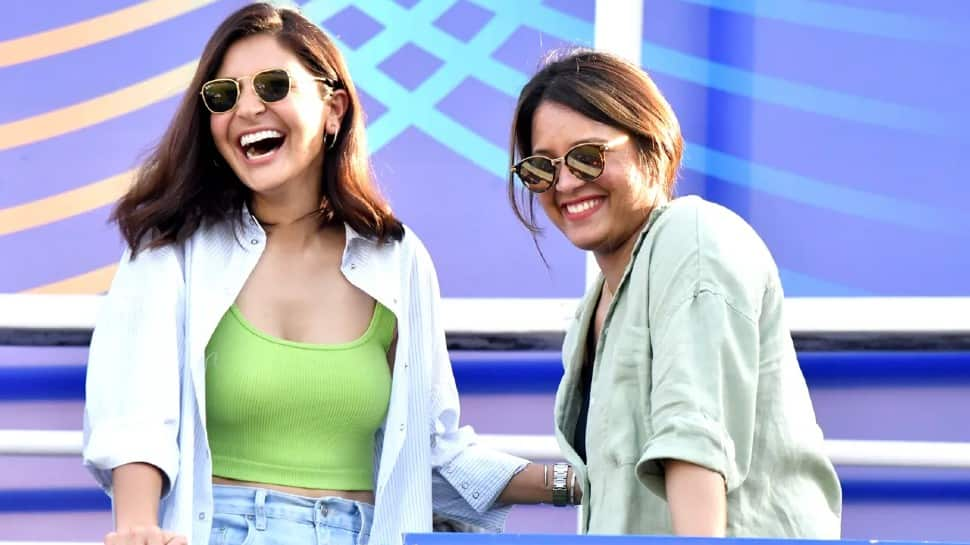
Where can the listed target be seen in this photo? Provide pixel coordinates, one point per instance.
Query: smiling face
(278, 144)
(602, 215)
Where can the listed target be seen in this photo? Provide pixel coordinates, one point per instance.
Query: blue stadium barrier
(497, 373)
(488, 373)
(47, 383)
(560, 539)
(53, 500)
(532, 372)
(853, 490)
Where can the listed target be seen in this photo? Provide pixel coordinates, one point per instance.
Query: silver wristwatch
(560, 490)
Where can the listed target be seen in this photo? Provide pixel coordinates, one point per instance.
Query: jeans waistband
(262, 503)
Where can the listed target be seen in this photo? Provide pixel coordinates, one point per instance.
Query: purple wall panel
(479, 249)
(90, 527)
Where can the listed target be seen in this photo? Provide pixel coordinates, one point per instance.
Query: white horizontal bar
(42, 311)
(473, 315)
(929, 454)
(874, 314)
(40, 443)
(508, 315)
(530, 447)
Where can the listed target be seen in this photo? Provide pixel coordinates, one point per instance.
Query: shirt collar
(250, 224)
(353, 236)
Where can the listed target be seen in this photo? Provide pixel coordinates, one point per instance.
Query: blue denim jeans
(257, 516)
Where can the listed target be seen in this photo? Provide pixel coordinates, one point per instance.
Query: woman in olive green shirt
(682, 408)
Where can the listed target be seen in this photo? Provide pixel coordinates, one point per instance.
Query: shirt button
(323, 510)
(254, 241)
(475, 495)
(402, 427)
(202, 516)
(353, 266)
(464, 485)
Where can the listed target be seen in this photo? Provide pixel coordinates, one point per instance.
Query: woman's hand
(144, 535)
(137, 488)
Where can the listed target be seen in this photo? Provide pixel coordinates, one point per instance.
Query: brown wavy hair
(606, 89)
(185, 184)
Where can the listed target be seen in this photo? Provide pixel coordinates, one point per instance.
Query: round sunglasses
(585, 161)
(222, 95)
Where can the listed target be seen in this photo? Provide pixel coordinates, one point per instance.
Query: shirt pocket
(627, 402)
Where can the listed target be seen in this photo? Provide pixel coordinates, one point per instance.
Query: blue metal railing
(496, 372)
(853, 491)
(539, 372)
(560, 539)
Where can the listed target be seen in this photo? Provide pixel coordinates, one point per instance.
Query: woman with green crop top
(301, 414)
(270, 362)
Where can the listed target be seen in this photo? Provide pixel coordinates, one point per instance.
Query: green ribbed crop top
(296, 414)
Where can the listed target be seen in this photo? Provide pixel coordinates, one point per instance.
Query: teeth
(582, 206)
(253, 137)
(251, 153)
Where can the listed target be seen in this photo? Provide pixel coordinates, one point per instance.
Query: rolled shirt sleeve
(709, 275)
(467, 478)
(467, 487)
(131, 411)
(704, 391)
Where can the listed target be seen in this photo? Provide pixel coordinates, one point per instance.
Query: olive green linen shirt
(695, 363)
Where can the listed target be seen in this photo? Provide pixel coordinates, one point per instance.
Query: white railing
(550, 317)
(804, 314)
(925, 454)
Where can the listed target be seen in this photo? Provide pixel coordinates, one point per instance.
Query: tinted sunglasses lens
(585, 162)
(272, 85)
(537, 173)
(220, 95)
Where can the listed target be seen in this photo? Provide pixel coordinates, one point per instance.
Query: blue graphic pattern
(835, 128)
(727, 104)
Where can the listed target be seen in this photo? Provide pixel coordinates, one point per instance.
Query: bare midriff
(364, 496)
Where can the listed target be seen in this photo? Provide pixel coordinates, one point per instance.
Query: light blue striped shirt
(146, 390)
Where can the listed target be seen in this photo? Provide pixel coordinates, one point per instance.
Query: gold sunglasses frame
(331, 85)
(557, 162)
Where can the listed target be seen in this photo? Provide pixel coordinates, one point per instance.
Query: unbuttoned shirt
(146, 392)
(695, 363)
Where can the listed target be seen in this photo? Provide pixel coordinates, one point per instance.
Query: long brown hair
(606, 89)
(185, 184)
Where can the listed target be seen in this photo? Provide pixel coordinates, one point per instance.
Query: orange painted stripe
(96, 281)
(96, 110)
(64, 205)
(94, 30)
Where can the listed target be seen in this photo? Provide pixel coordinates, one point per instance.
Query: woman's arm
(132, 410)
(137, 489)
(696, 498)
